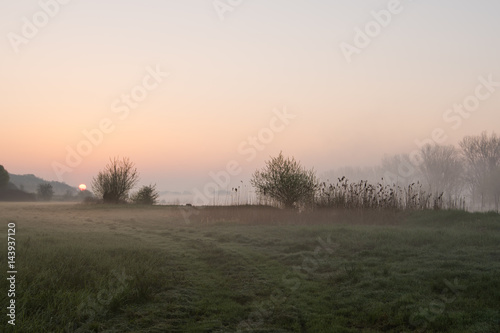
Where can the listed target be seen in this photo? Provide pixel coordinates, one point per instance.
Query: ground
(104, 268)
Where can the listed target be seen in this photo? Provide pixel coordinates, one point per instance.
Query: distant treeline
(471, 171)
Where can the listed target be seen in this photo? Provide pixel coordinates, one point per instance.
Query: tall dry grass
(363, 195)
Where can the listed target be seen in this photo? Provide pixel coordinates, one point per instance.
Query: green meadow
(126, 268)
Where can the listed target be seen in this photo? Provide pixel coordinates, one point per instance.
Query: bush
(286, 181)
(147, 195)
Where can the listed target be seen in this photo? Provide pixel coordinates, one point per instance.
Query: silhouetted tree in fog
(399, 170)
(442, 169)
(482, 155)
(493, 187)
(286, 181)
(116, 180)
(45, 191)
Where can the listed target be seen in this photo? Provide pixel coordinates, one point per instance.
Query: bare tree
(442, 169)
(116, 180)
(482, 155)
(493, 187)
(399, 170)
(286, 181)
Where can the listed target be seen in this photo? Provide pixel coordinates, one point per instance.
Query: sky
(202, 91)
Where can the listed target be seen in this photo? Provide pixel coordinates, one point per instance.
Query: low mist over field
(100, 268)
(250, 166)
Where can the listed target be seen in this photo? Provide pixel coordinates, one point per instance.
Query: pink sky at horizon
(226, 78)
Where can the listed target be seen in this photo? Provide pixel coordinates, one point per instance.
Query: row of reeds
(363, 195)
(346, 195)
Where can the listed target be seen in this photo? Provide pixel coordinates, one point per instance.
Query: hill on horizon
(30, 182)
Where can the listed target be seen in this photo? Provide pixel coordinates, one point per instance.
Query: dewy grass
(91, 268)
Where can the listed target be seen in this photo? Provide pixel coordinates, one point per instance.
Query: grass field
(99, 268)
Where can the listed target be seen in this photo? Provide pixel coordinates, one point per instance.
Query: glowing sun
(82, 187)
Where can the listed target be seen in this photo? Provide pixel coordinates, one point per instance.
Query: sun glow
(82, 187)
